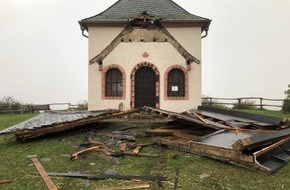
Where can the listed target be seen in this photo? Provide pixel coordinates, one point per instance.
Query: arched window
(114, 86)
(176, 83)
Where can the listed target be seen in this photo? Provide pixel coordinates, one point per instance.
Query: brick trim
(103, 82)
(152, 66)
(186, 97)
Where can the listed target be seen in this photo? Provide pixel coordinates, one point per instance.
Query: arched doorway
(145, 86)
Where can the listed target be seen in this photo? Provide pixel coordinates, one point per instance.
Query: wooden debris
(109, 152)
(123, 147)
(199, 117)
(5, 181)
(125, 188)
(137, 149)
(44, 175)
(122, 137)
(76, 155)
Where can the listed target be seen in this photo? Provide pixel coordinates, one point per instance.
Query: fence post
(239, 103)
(261, 103)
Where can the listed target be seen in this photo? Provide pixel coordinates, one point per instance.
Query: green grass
(17, 166)
(268, 112)
(7, 120)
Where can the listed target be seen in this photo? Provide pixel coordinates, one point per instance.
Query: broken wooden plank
(199, 117)
(125, 188)
(75, 155)
(5, 181)
(49, 183)
(137, 149)
(123, 147)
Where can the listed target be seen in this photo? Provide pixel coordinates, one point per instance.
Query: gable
(156, 33)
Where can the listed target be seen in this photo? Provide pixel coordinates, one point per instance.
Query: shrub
(286, 101)
(244, 104)
(211, 102)
(8, 104)
(82, 105)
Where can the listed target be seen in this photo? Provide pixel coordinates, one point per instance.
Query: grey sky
(43, 56)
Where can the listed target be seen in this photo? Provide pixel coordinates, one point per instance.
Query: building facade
(144, 53)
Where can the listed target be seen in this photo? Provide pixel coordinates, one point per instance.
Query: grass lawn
(196, 172)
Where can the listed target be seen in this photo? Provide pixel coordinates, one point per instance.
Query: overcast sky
(44, 57)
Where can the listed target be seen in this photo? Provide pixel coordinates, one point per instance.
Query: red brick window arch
(176, 83)
(113, 82)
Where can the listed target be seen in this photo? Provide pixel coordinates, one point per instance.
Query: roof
(53, 118)
(124, 10)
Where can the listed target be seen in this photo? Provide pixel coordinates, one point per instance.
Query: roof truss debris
(248, 140)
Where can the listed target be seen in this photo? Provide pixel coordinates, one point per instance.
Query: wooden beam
(49, 183)
(199, 117)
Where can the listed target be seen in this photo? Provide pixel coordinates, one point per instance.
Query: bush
(286, 101)
(8, 104)
(244, 104)
(82, 105)
(211, 102)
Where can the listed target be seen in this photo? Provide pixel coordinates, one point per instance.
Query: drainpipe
(206, 33)
(83, 32)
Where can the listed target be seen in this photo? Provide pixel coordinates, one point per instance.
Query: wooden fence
(255, 102)
(39, 107)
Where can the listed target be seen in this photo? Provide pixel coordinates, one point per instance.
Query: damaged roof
(53, 118)
(165, 10)
(244, 139)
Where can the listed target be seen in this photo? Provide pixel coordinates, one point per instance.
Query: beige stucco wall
(128, 55)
